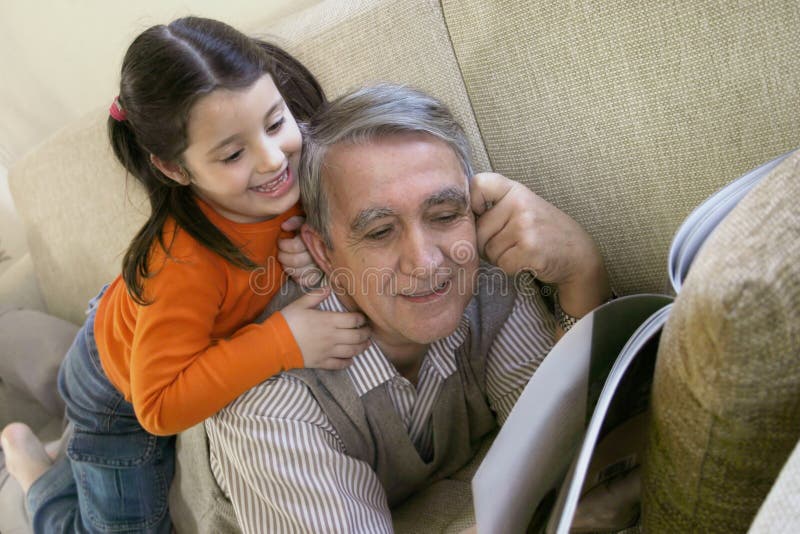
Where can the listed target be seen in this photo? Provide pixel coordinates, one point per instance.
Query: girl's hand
(294, 256)
(328, 340)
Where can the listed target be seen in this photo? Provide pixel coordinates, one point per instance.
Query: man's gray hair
(360, 117)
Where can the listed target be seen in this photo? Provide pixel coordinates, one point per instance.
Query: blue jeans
(115, 476)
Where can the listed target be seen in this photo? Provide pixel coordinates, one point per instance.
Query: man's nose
(270, 155)
(420, 256)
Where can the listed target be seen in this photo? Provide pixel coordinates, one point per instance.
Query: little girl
(205, 120)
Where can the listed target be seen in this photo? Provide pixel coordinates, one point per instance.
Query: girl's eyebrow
(278, 104)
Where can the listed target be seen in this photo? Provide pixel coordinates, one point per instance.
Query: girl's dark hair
(165, 71)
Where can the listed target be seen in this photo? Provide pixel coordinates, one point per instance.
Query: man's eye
(379, 234)
(275, 126)
(233, 157)
(446, 217)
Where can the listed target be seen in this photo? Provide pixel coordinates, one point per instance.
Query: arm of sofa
(19, 288)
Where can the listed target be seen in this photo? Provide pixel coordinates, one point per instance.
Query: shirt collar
(371, 368)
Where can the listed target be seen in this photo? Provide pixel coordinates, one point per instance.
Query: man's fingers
(486, 189)
(492, 223)
(293, 223)
(497, 247)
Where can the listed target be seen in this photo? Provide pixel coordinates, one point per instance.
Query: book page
(626, 390)
(704, 219)
(524, 468)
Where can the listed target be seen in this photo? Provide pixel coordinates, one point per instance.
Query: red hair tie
(116, 111)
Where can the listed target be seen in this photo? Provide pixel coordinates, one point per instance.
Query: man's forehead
(394, 174)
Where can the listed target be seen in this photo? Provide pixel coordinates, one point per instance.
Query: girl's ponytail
(137, 162)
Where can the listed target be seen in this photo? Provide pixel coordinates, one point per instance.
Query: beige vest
(373, 432)
(369, 427)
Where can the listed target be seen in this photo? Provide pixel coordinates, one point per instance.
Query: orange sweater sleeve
(179, 374)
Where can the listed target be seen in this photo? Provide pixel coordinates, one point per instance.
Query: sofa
(626, 115)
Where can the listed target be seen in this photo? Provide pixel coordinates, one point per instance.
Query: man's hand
(518, 230)
(328, 340)
(294, 256)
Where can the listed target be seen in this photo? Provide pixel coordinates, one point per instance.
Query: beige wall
(60, 59)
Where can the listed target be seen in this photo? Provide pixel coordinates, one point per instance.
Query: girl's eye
(275, 126)
(377, 235)
(233, 157)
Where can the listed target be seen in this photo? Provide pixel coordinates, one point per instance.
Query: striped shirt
(277, 457)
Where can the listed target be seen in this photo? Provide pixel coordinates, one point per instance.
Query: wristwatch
(567, 321)
(564, 320)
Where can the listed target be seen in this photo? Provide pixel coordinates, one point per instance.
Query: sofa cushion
(726, 409)
(626, 115)
(32, 345)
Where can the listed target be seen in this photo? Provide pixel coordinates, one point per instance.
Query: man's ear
(173, 171)
(317, 248)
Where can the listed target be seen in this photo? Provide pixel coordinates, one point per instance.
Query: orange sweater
(193, 350)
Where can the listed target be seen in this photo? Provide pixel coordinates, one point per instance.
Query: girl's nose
(270, 157)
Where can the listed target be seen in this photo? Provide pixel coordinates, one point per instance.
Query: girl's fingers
(347, 351)
(293, 223)
(349, 320)
(311, 300)
(352, 336)
(292, 245)
(295, 260)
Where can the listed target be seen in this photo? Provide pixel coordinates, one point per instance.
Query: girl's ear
(317, 248)
(173, 171)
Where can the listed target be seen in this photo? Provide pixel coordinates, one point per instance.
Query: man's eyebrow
(451, 195)
(368, 215)
(278, 103)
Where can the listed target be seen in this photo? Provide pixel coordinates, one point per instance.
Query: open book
(579, 425)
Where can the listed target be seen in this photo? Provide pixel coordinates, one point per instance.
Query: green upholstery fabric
(726, 392)
(627, 115)
(781, 510)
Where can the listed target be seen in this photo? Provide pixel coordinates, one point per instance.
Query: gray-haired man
(392, 224)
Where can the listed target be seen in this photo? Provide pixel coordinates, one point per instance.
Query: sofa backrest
(625, 116)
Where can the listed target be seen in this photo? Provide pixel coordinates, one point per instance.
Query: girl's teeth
(271, 186)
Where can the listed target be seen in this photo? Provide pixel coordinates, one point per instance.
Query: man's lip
(439, 290)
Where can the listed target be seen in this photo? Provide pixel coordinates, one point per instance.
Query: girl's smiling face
(243, 151)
